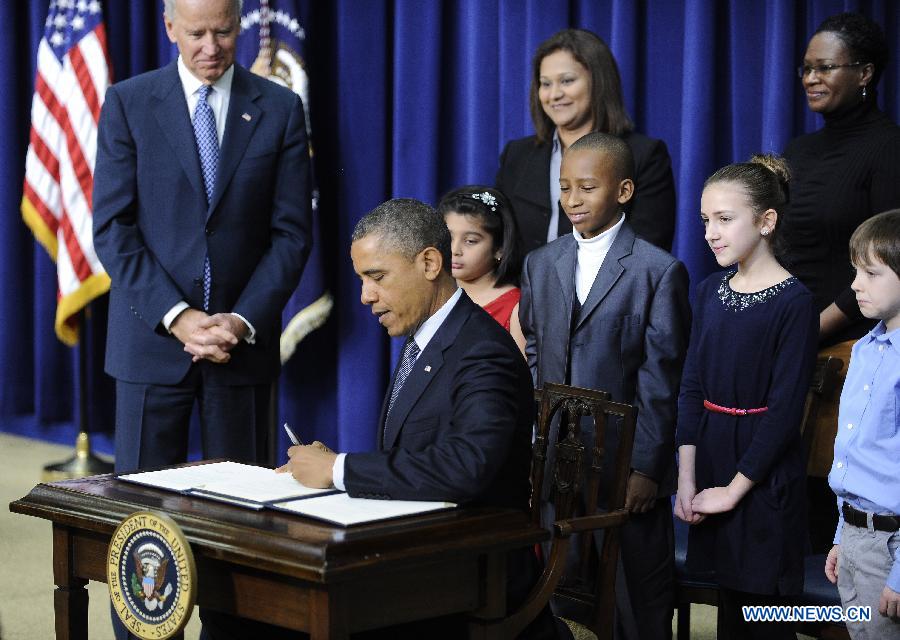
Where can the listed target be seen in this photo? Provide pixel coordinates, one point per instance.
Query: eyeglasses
(822, 69)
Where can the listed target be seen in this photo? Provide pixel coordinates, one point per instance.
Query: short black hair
(497, 218)
(862, 37)
(616, 149)
(407, 226)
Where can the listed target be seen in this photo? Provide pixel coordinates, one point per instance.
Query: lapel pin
(427, 368)
(246, 117)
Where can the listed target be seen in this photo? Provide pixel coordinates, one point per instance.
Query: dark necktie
(208, 148)
(407, 361)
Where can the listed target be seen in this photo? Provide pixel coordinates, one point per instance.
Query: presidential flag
(272, 45)
(73, 73)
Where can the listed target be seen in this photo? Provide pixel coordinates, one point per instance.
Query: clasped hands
(208, 337)
(311, 465)
(693, 507)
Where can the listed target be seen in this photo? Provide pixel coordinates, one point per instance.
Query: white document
(341, 509)
(258, 484)
(185, 478)
(241, 484)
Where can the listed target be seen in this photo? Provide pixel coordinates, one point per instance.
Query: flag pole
(83, 462)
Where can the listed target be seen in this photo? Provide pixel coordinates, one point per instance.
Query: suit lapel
(610, 271)
(382, 417)
(240, 122)
(534, 182)
(174, 120)
(565, 271)
(427, 368)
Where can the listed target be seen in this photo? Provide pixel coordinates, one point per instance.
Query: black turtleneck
(842, 174)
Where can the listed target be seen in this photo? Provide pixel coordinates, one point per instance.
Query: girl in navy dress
(741, 481)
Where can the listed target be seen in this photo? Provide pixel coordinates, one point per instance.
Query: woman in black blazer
(575, 89)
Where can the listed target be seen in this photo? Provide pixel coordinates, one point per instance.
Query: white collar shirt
(218, 98)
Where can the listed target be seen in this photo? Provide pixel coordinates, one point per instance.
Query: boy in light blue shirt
(865, 473)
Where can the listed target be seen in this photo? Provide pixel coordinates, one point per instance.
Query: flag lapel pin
(246, 117)
(427, 368)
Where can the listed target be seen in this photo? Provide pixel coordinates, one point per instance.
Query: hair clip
(486, 198)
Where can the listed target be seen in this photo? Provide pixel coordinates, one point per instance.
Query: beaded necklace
(737, 301)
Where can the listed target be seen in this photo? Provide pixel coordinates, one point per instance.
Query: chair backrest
(578, 479)
(569, 404)
(821, 389)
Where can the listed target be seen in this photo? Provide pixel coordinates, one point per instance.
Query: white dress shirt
(555, 164)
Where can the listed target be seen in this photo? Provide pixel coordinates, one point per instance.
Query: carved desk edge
(287, 544)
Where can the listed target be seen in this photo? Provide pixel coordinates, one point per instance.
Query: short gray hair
(169, 8)
(407, 226)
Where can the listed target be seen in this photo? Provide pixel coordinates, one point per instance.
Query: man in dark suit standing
(201, 218)
(456, 420)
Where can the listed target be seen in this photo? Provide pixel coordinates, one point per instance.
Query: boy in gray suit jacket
(606, 310)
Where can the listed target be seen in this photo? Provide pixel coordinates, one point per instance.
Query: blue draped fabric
(412, 98)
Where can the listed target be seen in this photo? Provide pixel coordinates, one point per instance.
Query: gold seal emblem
(151, 575)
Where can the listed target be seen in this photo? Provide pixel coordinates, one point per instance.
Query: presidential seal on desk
(151, 575)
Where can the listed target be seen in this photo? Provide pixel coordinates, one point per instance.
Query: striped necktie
(208, 148)
(407, 361)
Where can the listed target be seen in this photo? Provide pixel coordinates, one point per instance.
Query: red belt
(732, 412)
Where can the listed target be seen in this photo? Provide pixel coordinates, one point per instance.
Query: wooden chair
(573, 466)
(822, 390)
(701, 588)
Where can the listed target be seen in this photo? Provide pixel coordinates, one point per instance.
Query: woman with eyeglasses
(845, 172)
(576, 89)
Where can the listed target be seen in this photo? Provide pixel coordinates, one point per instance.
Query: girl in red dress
(486, 258)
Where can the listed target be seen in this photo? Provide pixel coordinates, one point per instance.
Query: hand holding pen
(310, 465)
(299, 443)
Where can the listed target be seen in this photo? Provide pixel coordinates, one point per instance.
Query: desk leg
(328, 617)
(70, 600)
(494, 572)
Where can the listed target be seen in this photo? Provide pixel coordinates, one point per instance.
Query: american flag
(70, 83)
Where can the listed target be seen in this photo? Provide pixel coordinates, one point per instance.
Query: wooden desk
(287, 570)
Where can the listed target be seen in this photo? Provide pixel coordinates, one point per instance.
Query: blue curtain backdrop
(412, 98)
